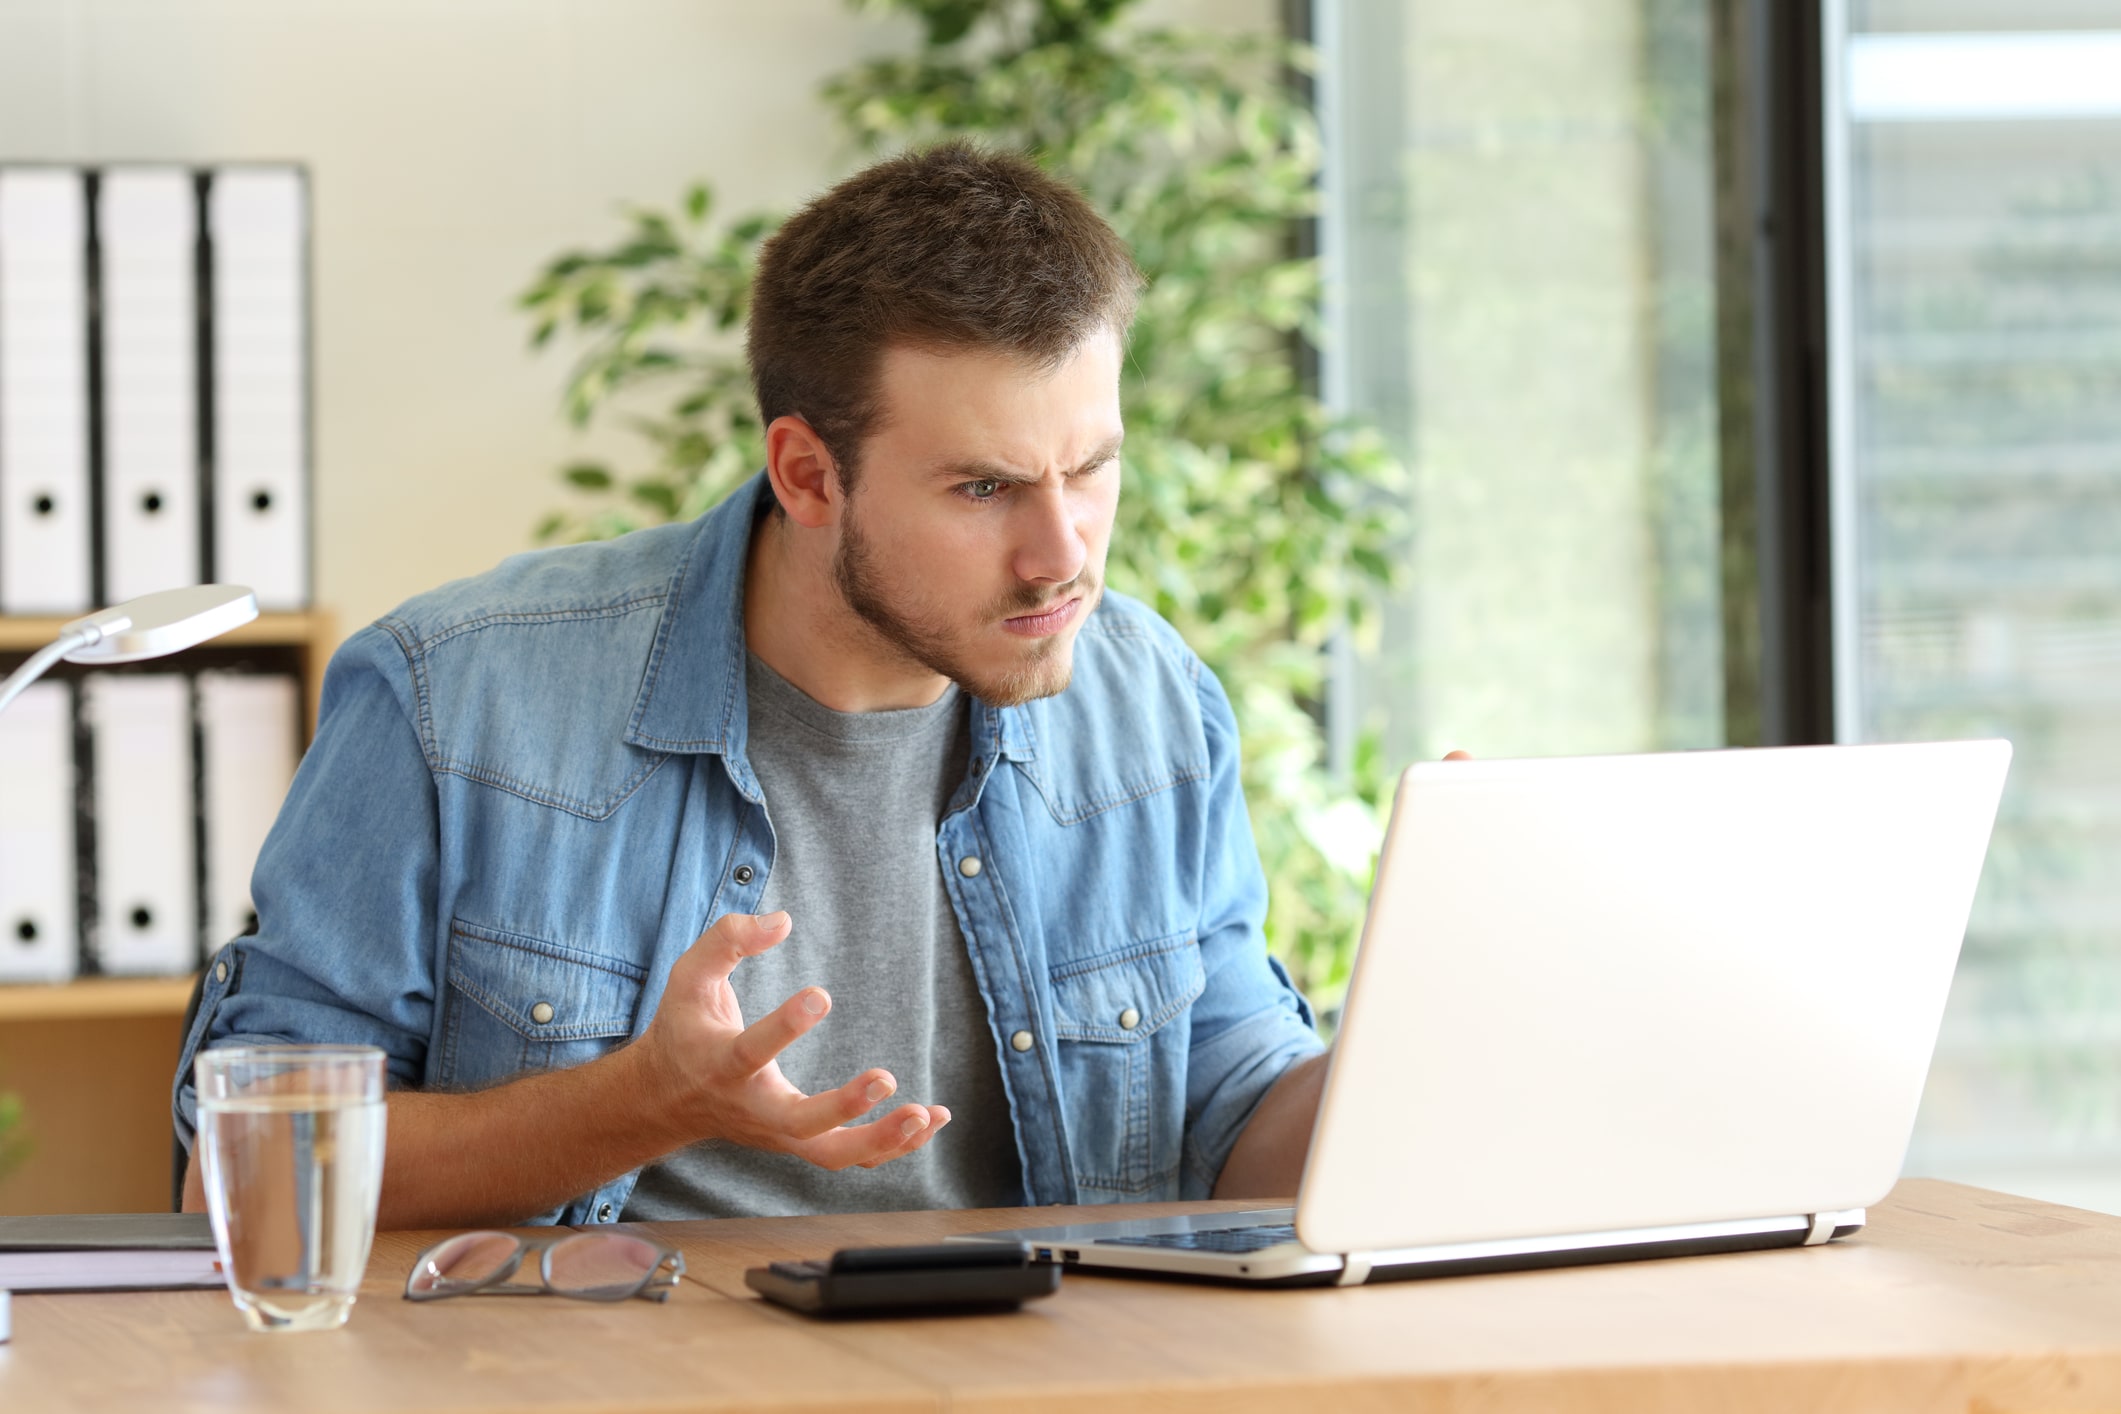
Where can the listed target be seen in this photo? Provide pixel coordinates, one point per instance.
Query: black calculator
(937, 1278)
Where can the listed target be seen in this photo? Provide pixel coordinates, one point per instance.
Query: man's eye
(983, 490)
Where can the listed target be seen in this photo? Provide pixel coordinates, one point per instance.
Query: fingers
(733, 937)
(897, 1134)
(771, 1034)
(1458, 756)
(815, 1114)
(938, 1116)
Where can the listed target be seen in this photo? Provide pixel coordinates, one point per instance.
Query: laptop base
(1171, 1248)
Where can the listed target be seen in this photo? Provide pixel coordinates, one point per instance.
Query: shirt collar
(692, 690)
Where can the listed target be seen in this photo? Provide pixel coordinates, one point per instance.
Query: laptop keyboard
(1213, 1239)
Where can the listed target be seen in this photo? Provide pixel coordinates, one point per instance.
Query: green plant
(1250, 519)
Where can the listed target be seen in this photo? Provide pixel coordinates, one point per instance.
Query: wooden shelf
(94, 999)
(27, 635)
(313, 635)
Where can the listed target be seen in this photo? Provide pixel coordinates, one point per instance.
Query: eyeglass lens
(465, 1260)
(601, 1264)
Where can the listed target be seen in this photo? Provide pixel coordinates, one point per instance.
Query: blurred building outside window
(1974, 296)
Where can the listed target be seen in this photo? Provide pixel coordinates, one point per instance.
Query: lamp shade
(167, 621)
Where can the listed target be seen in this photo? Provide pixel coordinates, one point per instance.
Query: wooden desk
(1955, 1298)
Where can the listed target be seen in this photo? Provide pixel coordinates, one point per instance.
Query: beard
(924, 633)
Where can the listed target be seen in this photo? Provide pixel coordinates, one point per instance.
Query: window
(1974, 295)
(1520, 234)
(1522, 228)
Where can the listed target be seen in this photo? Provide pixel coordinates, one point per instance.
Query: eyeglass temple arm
(661, 1283)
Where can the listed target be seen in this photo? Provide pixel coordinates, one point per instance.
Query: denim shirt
(528, 795)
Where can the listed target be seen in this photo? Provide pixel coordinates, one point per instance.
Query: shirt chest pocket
(517, 1003)
(1124, 1024)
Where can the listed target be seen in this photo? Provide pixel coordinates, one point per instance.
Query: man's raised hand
(713, 1077)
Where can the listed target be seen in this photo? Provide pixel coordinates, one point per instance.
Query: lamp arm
(73, 638)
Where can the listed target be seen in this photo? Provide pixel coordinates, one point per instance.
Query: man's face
(974, 542)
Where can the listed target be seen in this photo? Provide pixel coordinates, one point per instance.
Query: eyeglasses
(588, 1266)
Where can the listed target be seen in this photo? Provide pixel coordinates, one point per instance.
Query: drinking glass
(291, 1147)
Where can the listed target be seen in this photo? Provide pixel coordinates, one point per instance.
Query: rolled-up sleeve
(344, 889)
(1250, 1024)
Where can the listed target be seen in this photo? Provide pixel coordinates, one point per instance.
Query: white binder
(44, 505)
(40, 937)
(147, 905)
(258, 224)
(250, 739)
(147, 226)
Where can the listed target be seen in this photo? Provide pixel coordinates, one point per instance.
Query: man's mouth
(1046, 622)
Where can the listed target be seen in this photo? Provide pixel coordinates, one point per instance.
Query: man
(588, 844)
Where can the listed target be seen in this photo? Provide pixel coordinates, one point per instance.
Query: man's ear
(806, 479)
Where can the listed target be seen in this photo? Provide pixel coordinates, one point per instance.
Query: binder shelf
(91, 1059)
(140, 798)
(95, 999)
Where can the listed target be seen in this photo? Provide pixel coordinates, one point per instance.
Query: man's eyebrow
(976, 470)
(1106, 451)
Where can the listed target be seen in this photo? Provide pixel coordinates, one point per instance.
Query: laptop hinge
(1823, 1225)
(1355, 1270)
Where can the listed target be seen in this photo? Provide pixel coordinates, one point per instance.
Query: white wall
(453, 145)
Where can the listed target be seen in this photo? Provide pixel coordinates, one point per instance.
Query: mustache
(1028, 601)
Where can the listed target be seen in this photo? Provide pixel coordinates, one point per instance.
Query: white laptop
(1618, 1007)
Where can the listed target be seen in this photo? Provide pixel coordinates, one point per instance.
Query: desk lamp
(148, 627)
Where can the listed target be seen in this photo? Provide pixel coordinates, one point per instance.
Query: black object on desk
(943, 1276)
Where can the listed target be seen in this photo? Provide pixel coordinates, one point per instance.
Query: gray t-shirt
(854, 799)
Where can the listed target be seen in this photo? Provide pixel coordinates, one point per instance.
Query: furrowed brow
(1105, 452)
(982, 471)
(976, 470)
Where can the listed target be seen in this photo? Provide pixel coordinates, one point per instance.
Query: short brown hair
(954, 247)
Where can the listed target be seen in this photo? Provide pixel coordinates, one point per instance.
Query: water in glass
(291, 1145)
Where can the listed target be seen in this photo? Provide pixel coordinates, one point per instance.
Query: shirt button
(743, 873)
(604, 1213)
(220, 972)
(1021, 1041)
(969, 866)
(1129, 1019)
(541, 1013)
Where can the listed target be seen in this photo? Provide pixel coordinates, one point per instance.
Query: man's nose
(1052, 548)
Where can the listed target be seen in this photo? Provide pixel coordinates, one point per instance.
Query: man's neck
(798, 623)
